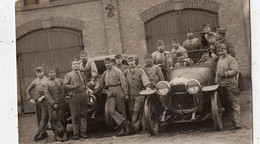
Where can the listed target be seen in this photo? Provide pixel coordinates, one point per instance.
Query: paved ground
(189, 133)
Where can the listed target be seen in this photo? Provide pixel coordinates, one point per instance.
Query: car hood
(205, 75)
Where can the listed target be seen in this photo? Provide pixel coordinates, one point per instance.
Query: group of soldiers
(123, 84)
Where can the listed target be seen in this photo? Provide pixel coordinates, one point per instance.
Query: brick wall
(125, 32)
(94, 35)
(231, 16)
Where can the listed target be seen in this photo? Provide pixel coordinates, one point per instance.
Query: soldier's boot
(84, 136)
(36, 136)
(121, 130)
(58, 138)
(42, 136)
(65, 137)
(128, 127)
(75, 137)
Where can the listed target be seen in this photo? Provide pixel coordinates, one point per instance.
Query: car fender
(210, 88)
(147, 92)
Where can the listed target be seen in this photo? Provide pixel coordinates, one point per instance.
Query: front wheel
(216, 110)
(151, 116)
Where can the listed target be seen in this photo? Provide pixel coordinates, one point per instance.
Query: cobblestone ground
(189, 133)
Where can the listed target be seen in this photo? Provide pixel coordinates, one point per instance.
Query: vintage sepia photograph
(134, 71)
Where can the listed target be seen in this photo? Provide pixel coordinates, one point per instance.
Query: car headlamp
(163, 88)
(193, 86)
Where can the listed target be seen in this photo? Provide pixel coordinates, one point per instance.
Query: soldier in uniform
(118, 61)
(222, 40)
(227, 69)
(182, 61)
(204, 40)
(137, 81)
(89, 68)
(205, 58)
(114, 81)
(191, 43)
(155, 75)
(56, 105)
(38, 99)
(176, 49)
(74, 83)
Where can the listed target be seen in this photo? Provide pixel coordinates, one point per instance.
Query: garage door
(174, 24)
(54, 47)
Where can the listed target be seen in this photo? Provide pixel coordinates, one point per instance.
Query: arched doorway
(52, 47)
(174, 24)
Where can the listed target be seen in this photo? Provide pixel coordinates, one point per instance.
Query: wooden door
(174, 24)
(48, 48)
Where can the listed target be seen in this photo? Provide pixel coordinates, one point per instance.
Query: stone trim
(29, 26)
(171, 5)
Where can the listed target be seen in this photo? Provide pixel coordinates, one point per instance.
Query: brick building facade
(119, 26)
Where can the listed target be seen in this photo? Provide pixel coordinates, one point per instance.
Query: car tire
(151, 116)
(217, 112)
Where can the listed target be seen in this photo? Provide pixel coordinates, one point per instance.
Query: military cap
(206, 25)
(107, 59)
(73, 60)
(39, 69)
(118, 56)
(82, 52)
(160, 42)
(189, 30)
(148, 55)
(179, 54)
(130, 58)
(221, 30)
(175, 40)
(221, 46)
(52, 69)
(211, 34)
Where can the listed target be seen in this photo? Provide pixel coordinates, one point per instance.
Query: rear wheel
(151, 116)
(108, 119)
(216, 110)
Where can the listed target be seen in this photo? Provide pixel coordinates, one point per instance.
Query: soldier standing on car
(38, 99)
(56, 105)
(89, 68)
(227, 69)
(155, 75)
(160, 56)
(204, 40)
(118, 61)
(191, 43)
(74, 83)
(114, 81)
(137, 81)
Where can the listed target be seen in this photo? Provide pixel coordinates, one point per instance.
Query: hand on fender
(56, 106)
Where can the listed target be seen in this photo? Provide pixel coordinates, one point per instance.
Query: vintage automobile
(192, 96)
(97, 107)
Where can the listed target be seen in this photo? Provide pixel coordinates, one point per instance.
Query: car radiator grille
(178, 88)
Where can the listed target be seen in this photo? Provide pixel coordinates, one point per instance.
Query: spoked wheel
(217, 112)
(151, 115)
(108, 119)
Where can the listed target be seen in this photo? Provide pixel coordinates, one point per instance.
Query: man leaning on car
(227, 70)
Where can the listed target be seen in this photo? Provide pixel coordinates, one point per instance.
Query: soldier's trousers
(230, 99)
(41, 110)
(58, 120)
(78, 109)
(136, 104)
(116, 104)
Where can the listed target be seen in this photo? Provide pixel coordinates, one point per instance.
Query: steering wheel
(188, 63)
